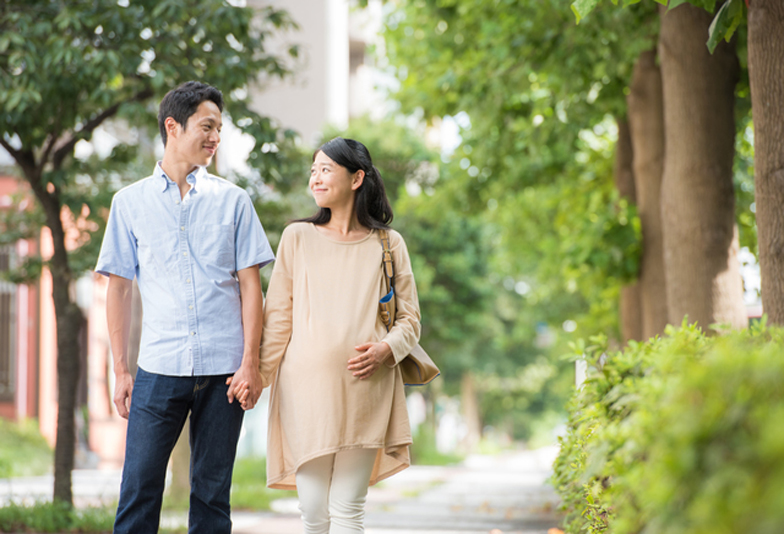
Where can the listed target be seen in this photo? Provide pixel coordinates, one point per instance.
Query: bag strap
(388, 268)
(388, 263)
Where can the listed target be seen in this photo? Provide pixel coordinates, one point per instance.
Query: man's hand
(367, 363)
(123, 389)
(245, 386)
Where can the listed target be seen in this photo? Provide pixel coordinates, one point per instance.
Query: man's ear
(172, 127)
(357, 180)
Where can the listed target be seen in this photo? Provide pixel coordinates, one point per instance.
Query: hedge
(682, 434)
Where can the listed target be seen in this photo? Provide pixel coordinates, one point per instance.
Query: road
(506, 493)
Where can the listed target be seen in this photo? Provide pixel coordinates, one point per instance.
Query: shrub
(681, 434)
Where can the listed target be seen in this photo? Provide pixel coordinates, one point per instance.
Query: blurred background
(523, 155)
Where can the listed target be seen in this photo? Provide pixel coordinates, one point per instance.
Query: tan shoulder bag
(417, 368)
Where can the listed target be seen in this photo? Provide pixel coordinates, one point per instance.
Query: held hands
(245, 386)
(371, 357)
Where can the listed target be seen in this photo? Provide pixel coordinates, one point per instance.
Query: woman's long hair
(370, 202)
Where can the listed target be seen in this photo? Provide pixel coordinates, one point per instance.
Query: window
(7, 327)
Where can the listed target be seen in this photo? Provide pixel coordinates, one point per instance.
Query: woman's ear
(357, 179)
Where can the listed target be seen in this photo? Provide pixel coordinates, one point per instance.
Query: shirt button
(188, 281)
(190, 307)
(193, 333)
(176, 201)
(184, 253)
(182, 228)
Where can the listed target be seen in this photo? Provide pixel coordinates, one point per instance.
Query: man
(195, 245)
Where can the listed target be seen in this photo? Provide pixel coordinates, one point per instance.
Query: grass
(425, 452)
(249, 486)
(54, 517)
(23, 451)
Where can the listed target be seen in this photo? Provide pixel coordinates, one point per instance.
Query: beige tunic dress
(321, 303)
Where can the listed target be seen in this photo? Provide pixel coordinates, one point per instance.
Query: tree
(533, 94)
(766, 48)
(646, 123)
(698, 202)
(765, 45)
(630, 308)
(68, 68)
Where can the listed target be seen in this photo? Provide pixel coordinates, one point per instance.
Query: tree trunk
(470, 404)
(69, 320)
(646, 122)
(766, 73)
(630, 316)
(698, 201)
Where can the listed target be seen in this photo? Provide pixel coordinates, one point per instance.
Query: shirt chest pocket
(215, 244)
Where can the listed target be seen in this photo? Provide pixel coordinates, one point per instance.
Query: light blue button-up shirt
(185, 254)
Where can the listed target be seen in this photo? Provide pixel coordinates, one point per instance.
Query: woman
(338, 419)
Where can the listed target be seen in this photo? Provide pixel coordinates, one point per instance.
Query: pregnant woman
(338, 420)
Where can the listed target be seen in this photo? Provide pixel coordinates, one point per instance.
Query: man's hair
(182, 102)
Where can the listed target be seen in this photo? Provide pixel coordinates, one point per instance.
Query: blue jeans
(159, 406)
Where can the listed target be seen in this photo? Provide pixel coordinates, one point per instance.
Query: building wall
(318, 92)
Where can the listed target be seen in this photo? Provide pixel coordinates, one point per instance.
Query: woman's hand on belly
(371, 357)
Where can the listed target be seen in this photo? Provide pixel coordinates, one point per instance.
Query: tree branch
(11, 150)
(24, 158)
(52, 140)
(61, 153)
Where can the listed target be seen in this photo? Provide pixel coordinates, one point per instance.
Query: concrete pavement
(505, 493)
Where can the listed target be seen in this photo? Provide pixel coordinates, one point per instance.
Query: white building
(334, 78)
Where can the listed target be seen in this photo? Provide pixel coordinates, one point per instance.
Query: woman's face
(333, 185)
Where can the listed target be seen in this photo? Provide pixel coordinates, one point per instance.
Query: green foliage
(54, 517)
(249, 486)
(535, 96)
(678, 435)
(425, 452)
(23, 451)
(743, 176)
(70, 67)
(726, 21)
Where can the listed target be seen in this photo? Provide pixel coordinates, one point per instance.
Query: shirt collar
(193, 178)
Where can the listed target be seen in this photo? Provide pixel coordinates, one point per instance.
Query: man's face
(197, 143)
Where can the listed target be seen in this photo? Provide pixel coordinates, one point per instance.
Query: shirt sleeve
(404, 334)
(252, 248)
(278, 307)
(118, 251)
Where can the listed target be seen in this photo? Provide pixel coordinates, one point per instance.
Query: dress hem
(389, 450)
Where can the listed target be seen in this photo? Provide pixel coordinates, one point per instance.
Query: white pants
(332, 491)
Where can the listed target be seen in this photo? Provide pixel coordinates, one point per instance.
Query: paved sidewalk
(506, 493)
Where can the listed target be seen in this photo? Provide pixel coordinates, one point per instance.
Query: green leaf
(675, 3)
(736, 17)
(582, 8)
(720, 26)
